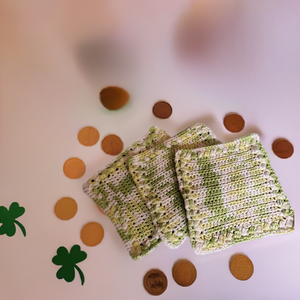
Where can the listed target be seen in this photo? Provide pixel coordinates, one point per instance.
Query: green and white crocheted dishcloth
(115, 192)
(231, 194)
(154, 173)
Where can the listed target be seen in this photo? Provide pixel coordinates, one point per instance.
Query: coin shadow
(101, 60)
(228, 137)
(208, 120)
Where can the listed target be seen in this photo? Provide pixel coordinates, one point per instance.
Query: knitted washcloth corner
(154, 173)
(114, 191)
(231, 194)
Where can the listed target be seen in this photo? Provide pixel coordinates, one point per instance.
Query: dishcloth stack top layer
(154, 173)
(114, 190)
(231, 194)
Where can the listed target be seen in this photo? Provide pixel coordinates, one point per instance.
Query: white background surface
(248, 63)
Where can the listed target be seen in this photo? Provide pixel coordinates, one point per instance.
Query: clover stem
(80, 274)
(21, 227)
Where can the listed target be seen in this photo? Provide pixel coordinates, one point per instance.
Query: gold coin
(241, 267)
(184, 273)
(88, 136)
(92, 234)
(99, 208)
(114, 97)
(65, 208)
(74, 168)
(112, 144)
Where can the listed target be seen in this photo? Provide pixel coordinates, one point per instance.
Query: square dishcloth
(231, 194)
(115, 192)
(154, 173)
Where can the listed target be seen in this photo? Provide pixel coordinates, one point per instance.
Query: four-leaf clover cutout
(68, 262)
(8, 219)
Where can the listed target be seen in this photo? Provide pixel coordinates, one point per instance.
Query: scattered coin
(100, 209)
(92, 234)
(114, 97)
(112, 145)
(88, 136)
(282, 148)
(233, 122)
(162, 110)
(241, 267)
(155, 282)
(184, 273)
(74, 168)
(65, 208)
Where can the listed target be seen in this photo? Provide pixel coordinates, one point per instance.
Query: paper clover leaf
(68, 262)
(8, 219)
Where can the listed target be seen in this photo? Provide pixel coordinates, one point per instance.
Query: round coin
(74, 168)
(65, 208)
(99, 208)
(233, 122)
(112, 145)
(114, 97)
(241, 267)
(92, 234)
(88, 136)
(162, 110)
(155, 282)
(283, 148)
(184, 273)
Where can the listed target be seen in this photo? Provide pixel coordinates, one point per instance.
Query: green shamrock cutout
(68, 262)
(8, 219)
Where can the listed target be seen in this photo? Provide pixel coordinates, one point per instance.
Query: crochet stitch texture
(231, 194)
(114, 190)
(154, 173)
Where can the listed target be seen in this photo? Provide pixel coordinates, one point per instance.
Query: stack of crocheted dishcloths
(165, 189)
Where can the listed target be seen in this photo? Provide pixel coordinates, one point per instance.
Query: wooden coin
(100, 210)
(155, 282)
(233, 122)
(282, 148)
(114, 97)
(112, 145)
(241, 267)
(184, 273)
(74, 168)
(162, 110)
(88, 136)
(92, 234)
(65, 208)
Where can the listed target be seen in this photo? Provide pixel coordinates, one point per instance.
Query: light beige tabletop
(205, 61)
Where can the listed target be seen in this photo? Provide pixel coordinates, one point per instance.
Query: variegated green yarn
(231, 194)
(115, 192)
(154, 173)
